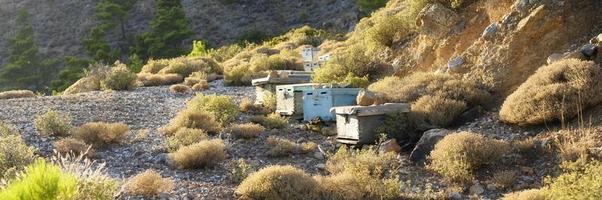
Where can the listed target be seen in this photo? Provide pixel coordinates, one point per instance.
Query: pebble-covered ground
(147, 109)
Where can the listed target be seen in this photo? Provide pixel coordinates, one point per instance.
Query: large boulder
(436, 21)
(426, 144)
(86, 84)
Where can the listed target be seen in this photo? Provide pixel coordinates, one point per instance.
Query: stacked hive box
(267, 86)
(318, 102)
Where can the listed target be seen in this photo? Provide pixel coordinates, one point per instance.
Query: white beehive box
(358, 124)
(267, 85)
(289, 99)
(318, 102)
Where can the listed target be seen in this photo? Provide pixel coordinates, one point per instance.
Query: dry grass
(554, 93)
(274, 121)
(504, 179)
(191, 81)
(179, 88)
(207, 153)
(284, 147)
(15, 94)
(53, 123)
(73, 146)
(436, 110)
(149, 184)
(239, 170)
(526, 146)
(93, 181)
(279, 182)
(100, 133)
(532, 194)
(202, 85)
(185, 137)
(246, 131)
(7, 129)
(192, 119)
(154, 66)
(578, 143)
(248, 106)
(457, 155)
(159, 79)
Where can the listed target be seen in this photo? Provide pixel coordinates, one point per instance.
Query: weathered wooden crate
(358, 124)
(318, 102)
(289, 99)
(267, 86)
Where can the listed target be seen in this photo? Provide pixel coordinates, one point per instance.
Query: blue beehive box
(318, 102)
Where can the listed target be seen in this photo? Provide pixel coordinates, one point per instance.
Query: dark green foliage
(25, 68)
(253, 37)
(168, 30)
(135, 63)
(110, 14)
(73, 71)
(367, 6)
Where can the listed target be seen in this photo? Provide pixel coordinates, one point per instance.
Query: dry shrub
(531, 194)
(555, 92)
(192, 119)
(191, 81)
(159, 79)
(436, 110)
(580, 180)
(7, 129)
(578, 143)
(154, 66)
(284, 147)
(53, 123)
(279, 182)
(202, 85)
(246, 105)
(238, 75)
(366, 159)
(246, 131)
(207, 153)
(149, 184)
(457, 155)
(275, 62)
(15, 94)
(239, 170)
(73, 146)
(274, 121)
(221, 107)
(119, 78)
(179, 88)
(526, 146)
(505, 178)
(184, 66)
(185, 137)
(14, 155)
(100, 133)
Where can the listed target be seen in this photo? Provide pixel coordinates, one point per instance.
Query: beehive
(289, 99)
(358, 124)
(318, 102)
(267, 86)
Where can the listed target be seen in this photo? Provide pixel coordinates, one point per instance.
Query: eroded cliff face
(60, 25)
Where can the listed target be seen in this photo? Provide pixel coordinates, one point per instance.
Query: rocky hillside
(59, 26)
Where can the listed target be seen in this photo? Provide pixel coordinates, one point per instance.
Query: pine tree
(111, 14)
(169, 29)
(73, 71)
(25, 68)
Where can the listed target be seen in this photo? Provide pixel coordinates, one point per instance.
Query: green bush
(14, 154)
(120, 78)
(580, 180)
(185, 137)
(53, 123)
(223, 108)
(42, 181)
(367, 6)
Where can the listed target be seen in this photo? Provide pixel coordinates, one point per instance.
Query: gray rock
(436, 20)
(426, 144)
(590, 51)
(491, 31)
(470, 115)
(318, 155)
(455, 195)
(455, 64)
(389, 146)
(476, 189)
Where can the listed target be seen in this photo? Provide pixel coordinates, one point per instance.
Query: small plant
(207, 153)
(245, 131)
(269, 102)
(185, 137)
(16, 94)
(14, 154)
(457, 155)
(100, 133)
(180, 89)
(53, 123)
(192, 119)
(42, 180)
(279, 182)
(222, 108)
(274, 121)
(120, 78)
(284, 147)
(73, 146)
(148, 183)
(239, 170)
(504, 178)
(248, 106)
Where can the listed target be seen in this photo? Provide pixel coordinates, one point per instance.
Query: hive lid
(371, 110)
(284, 77)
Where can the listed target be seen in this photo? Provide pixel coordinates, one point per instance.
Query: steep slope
(59, 26)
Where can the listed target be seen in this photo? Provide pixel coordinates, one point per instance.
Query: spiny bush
(436, 110)
(246, 131)
(221, 107)
(274, 121)
(42, 180)
(73, 146)
(202, 85)
(15, 94)
(531, 194)
(185, 137)
(279, 182)
(555, 92)
(207, 153)
(192, 119)
(101, 133)
(148, 183)
(119, 78)
(284, 147)
(14, 154)
(457, 155)
(179, 88)
(579, 180)
(159, 79)
(93, 182)
(53, 123)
